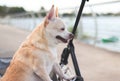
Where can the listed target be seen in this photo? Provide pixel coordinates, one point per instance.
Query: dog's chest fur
(54, 59)
(53, 52)
(51, 61)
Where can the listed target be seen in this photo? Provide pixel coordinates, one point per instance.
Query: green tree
(69, 14)
(13, 10)
(42, 11)
(3, 10)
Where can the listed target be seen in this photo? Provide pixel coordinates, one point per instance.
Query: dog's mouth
(61, 38)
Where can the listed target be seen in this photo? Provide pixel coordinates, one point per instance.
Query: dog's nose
(71, 35)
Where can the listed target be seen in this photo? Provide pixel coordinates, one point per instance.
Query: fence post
(96, 25)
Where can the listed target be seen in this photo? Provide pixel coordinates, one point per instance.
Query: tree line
(4, 10)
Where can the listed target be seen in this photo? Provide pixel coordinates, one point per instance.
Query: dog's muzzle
(63, 39)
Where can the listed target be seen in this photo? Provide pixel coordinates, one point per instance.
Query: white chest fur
(54, 52)
(49, 58)
(51, 62)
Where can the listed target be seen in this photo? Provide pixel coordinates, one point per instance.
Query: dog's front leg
(41, 72)
(58, 71)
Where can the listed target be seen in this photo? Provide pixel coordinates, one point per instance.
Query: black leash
(70, 47)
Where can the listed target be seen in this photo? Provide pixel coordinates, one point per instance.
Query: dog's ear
(50, 15)
(56, 12)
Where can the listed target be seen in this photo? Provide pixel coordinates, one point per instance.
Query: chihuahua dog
(37, 55)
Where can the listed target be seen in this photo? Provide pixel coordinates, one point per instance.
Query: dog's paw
(70, 78)
(69, 75)
(51, 80)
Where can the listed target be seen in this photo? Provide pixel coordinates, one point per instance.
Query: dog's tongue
(62, 39)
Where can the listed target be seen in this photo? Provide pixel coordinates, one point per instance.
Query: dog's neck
(40, 39)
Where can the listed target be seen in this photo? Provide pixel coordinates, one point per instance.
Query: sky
(35, 5)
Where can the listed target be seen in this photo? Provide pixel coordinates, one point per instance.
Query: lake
(106, 27)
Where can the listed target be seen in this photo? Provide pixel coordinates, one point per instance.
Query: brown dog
(37, 55)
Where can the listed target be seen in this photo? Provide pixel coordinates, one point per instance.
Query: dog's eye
(62, 29)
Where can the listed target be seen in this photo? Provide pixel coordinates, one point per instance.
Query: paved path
(96, 64)
(10, 39)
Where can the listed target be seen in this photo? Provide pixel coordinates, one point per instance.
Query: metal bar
(71, 46)
(73, 56)
(75, 63)
(78, 16)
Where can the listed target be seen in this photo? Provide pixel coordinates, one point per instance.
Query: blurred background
(97, 40)
(98, 26)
